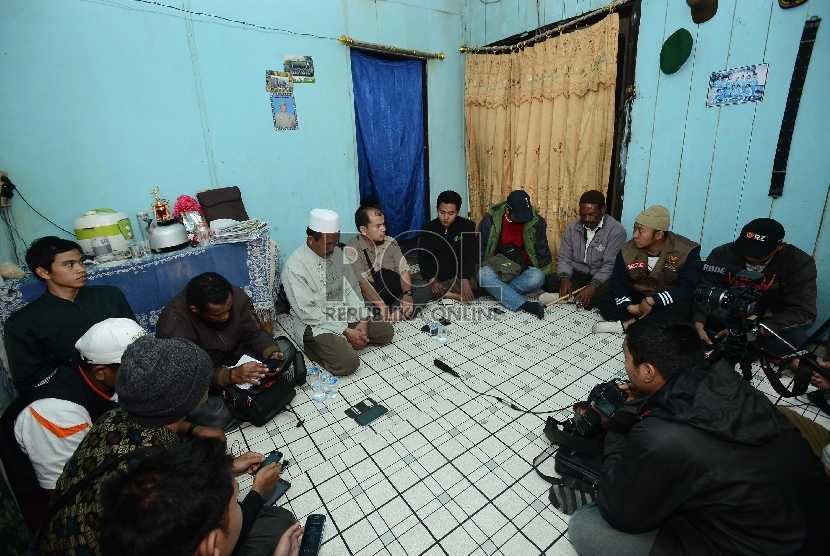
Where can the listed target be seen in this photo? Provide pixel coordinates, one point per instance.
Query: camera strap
(803, 373)
(580, 471)
(566, 438)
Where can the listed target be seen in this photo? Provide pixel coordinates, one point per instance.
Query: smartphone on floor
(279, 489)
(315, 525)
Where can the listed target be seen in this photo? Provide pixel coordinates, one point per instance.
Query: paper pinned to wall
(284, 110)
(736, 86)
(301, 68)
(278, 82)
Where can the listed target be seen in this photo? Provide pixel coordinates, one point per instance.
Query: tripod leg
(746, 370)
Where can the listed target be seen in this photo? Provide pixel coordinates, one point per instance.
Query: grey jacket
(599, 263)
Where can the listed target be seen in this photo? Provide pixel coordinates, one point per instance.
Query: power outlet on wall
(5, 201)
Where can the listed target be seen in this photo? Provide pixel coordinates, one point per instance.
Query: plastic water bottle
(331, 388)
(320, 387)
(319, 394)
(311, 374)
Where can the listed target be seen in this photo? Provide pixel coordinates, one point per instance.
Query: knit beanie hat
(162, 380)
(655, 217)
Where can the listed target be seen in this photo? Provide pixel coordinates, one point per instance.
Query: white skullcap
(324, 220)
(105, 342)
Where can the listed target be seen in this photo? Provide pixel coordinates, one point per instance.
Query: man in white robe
(328, 314)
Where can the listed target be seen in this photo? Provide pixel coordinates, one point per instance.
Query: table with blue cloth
(149, 283)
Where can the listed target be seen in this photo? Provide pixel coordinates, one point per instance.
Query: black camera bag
(578, 459)
(261, 402)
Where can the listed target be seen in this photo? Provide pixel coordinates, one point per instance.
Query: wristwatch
(407, 292)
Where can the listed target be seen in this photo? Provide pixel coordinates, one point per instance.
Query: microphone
(446, 368)
(721, 269)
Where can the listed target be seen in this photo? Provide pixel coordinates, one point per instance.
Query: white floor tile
(447, 470)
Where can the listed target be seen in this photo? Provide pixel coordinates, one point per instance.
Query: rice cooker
(168, 236)
(99, 224)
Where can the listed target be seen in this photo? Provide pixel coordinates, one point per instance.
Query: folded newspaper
(236, 233)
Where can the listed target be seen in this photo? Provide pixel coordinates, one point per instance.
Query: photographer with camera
(787, 296)
(696, 461)
(786, 299)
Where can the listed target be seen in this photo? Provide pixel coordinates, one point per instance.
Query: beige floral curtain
(542, 119)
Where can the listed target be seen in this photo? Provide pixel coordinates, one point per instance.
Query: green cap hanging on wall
(675, 51)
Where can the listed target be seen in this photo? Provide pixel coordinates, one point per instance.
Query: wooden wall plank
(554, 11)
(785, 32)
(710, 53)
(808, 169)
(746, 47)
(669, 123)
(647, 74)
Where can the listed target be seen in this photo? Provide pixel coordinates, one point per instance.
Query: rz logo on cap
(756, 237)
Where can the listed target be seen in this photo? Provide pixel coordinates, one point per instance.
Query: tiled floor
(446, 470)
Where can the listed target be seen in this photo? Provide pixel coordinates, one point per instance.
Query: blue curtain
(388, 105)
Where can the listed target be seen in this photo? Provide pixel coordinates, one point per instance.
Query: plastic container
(331, 390)
(321, 388)
(319, 395)
(441, 334)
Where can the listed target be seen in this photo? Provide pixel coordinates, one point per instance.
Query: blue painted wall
(102, 101)
(712, 166)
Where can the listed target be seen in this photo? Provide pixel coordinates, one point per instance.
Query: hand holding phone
(315, 525)
(267, 475)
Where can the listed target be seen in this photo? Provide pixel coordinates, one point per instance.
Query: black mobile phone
(273, 457)
(279, 489)
(315, 525)
(370, 415)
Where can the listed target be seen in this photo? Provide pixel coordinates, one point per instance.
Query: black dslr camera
(606, 397)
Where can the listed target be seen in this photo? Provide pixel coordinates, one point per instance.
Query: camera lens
(714, 297)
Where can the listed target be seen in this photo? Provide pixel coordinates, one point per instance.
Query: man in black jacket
(699, 462)
(788, 304)
(448, 251)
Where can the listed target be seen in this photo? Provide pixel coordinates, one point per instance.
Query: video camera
(745, 287)
(739, 300)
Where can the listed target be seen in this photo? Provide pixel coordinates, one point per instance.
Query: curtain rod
(542, 36)
(350, 42)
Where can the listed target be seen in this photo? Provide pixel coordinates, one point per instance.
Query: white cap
(105, 342)
(324, 220)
